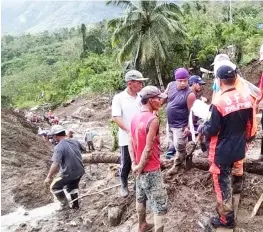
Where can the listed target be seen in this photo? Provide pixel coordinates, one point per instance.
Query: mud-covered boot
(62, 199)
(237, 184)
(216, 222)
(75, 204)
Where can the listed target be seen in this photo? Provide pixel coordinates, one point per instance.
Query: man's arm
(131, 151)
(212, 126)
(53, 170)
(116, 112)
(163, 101)
(153, 129)
(190, 100)
(119, 121)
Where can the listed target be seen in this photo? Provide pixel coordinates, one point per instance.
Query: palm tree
(145, 31)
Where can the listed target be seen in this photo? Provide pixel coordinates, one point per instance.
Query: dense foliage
(152, 36)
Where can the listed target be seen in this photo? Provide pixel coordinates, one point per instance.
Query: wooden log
(198, 162)
(101, 157)
(251, 166)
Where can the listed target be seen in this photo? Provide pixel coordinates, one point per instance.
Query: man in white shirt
(124, 106)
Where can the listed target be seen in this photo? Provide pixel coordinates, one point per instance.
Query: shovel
(190, 148)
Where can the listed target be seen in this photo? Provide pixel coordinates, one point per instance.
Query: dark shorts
(59, 183)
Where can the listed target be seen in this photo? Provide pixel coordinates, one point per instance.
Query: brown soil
(25, 160)
(252, 72)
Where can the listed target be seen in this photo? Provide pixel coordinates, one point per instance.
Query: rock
(26, 213)
(23, 224)
(86, 221)
(114, 215)
(73, 223)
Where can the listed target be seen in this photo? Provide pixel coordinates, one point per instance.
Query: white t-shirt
(125, 106)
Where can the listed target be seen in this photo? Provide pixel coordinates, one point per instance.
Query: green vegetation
(154, 37)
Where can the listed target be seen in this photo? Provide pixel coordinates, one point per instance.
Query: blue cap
(195, 79)
(225, 72)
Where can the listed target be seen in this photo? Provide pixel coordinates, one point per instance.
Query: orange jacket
(243, 88)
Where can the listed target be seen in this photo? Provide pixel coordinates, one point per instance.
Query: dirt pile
(25, 162)
(252, 72)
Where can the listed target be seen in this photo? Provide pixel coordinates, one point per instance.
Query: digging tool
(258, 204)
(191, 146)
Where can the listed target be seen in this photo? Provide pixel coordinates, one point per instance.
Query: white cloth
(125, 106)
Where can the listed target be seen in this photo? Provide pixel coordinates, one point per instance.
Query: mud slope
(25, 161)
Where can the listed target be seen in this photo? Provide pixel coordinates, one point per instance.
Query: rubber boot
(158, 223)
(62, 199)
(237, 184)
(75, 204)
(124, 187)
(216, 222)
(141, 212)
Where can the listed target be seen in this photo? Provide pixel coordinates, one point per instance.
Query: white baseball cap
(56, 129)
(134, 75)
(261, 53)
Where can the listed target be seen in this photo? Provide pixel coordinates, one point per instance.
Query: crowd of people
(230, 125)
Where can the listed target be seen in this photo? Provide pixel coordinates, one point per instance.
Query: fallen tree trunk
(99, 157)
(198, 162)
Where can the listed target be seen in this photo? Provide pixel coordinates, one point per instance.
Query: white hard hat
(56, 129)
(220, 57)
(261, 53)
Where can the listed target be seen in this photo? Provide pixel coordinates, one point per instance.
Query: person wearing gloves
(145, 152)
(67, 163)
(228, 130)
(179, 102)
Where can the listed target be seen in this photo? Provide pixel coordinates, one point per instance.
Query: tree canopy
(153, 36)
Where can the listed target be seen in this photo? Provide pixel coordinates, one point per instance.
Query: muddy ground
(25, 163)
(191, 197)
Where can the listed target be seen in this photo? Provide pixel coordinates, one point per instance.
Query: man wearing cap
(180, 100)
(196, 83)
(124, 106)
(145, 154)
(228, 130)
(240, 84)
(67, 161)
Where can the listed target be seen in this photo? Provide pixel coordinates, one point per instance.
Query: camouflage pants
(150, 186)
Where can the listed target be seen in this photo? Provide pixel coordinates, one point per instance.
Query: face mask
(216, 85)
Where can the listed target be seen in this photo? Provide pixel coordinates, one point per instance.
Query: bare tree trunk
(198, 162)
(136, 59)
(159, 75)
(99, 157)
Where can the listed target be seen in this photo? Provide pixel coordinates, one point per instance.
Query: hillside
(21, 16)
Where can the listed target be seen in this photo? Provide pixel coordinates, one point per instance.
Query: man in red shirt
(144, 150)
